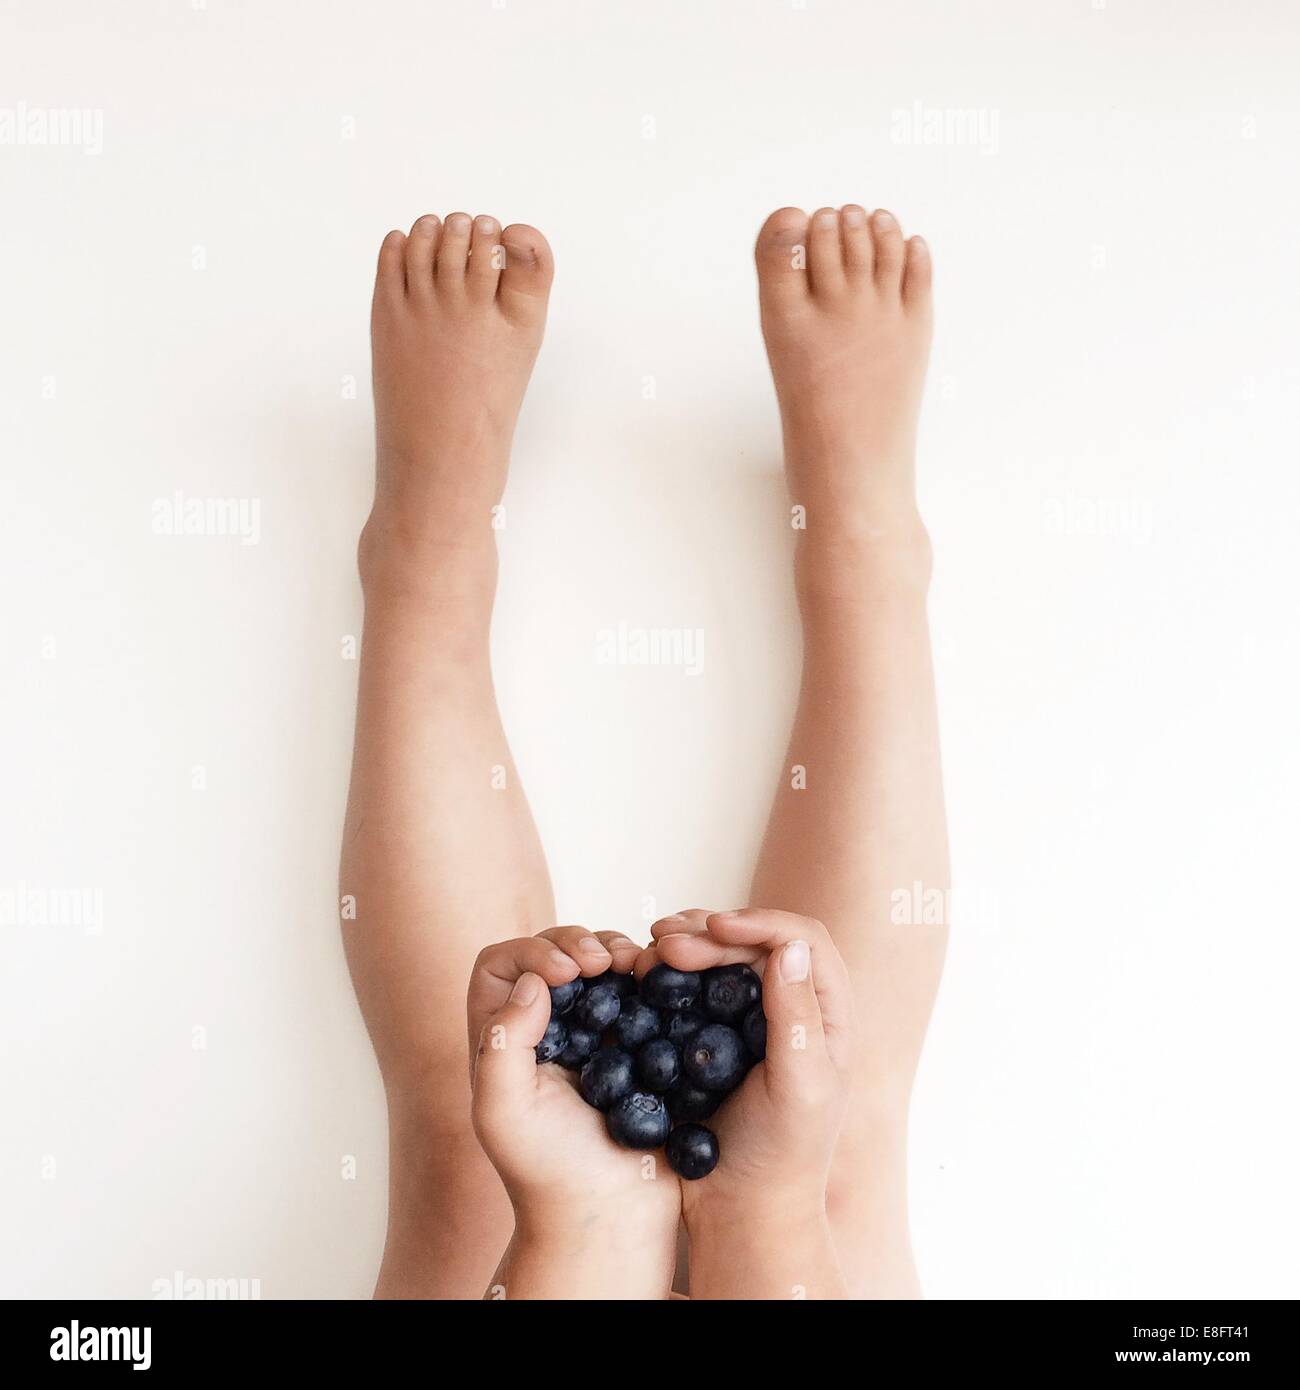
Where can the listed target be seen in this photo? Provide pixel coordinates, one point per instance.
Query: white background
(1109, 464)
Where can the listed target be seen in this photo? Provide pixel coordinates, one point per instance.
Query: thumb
(505, 1066)
(794, 1018)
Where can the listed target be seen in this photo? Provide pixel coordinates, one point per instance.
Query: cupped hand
(552, 1149)
(777, 1131)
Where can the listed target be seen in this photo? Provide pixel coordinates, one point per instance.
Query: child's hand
(777, 1131)
(551, 1149)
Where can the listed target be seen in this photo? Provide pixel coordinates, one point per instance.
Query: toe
(917, 271)
(421, 246)
(781, 254)
(390, 276)
(527, 271)
(825, 259)
(859, 249)
(889, 250)
(484, 268)
(453, 250)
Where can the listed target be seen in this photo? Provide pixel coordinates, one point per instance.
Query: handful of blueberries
(672, 1051)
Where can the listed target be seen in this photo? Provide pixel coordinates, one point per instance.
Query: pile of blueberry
(660, 1058)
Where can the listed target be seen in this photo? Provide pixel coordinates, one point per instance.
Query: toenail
(458, 222)
(828, 218)
(591, 946)
(855, 217)
(884, 220)
(919, 246)
(427, 223)
(519, 253)
(486, 225)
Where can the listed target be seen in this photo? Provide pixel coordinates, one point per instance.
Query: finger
(795, 1039)
(505, 1067)
(622, 949)
(690, 920)
(747, 936)
(500, 965)
(503, 963)
(581, 946)
(701, 951)
(764, 925)
(687, 951)
(771, 929)
(653, 954)
(647, 960)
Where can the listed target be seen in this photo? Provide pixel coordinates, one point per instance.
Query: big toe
(527, 270)
(781, 254)
(390, 277)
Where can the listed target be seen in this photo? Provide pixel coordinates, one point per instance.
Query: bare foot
(845, 305)
(458, 314)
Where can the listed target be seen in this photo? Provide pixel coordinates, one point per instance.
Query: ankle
(400, 563)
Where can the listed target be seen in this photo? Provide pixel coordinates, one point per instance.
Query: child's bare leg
(439, 853)
(848, 339)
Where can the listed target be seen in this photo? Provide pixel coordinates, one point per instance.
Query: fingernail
(854, 216)
(795, 960)
(526, 987)
(884, 220)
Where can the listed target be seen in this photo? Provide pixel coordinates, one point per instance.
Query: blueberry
(580, 1048)
(715, 1058)
(754, 1031)
(682, 1025)
(553, 1041)
(688, 1102)
(667, 988)
(625, 984)
(692, 1151)
(564, 997)
(729, 992)
(639, 1121)
(607, 1078)
(658, 1064)
(598, 1007)
(637, 1024)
